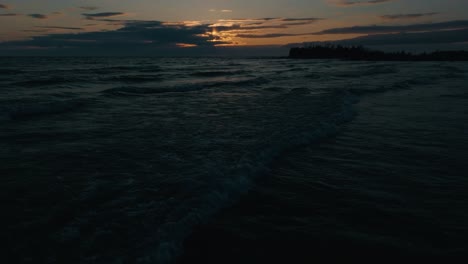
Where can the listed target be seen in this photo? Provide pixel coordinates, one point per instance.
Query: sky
(152, 26)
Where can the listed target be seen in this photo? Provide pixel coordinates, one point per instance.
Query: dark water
(119, 160)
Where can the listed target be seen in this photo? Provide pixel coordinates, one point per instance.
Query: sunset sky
(148, 24)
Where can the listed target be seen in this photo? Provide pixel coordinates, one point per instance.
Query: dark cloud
(348, 3)
(299, 23)
(4, 6)
(459, 24)
(447, 38)
(102, 15)
(88, 8)
(38, 16)
(134, 35)
(35, 30)
(57, 27)
(408, 16)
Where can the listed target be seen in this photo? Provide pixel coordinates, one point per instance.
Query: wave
(134, 78)
(452, 69)
(313, 76)
(201, 134)
(273, 89)
(55, 80)
(242, 82)
(97, 70)
(399, 85)
(184, 88)
(10, 71)
(217, 73)
(297, 69)
(456, 96)
(453, 75)
(152, 68)
(300, 90)
(20, 111)
(137, 68)
(239, 177)
(367, 71)
(147, 90)
(379, 70)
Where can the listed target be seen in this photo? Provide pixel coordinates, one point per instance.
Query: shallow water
(389, 187)
(119, 159)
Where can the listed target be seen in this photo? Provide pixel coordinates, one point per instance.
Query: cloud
(45, 16)
(423, 38)
(145, 35)
(57, 27)
(264, 23)
(38, 16)
(300, 21)
(247, 28)
(102, 15)
(42, 29)
(35, 30)
(310, 19)
(133, 35)
(88, 8)
(272, 35)
(408, 16)
(136, 34)
(348, 3)
(222, 11)
(4, 6)
(374, 29)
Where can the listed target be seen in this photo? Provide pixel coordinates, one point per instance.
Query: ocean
(231, 160)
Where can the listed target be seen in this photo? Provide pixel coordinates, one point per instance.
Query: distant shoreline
(361, 53)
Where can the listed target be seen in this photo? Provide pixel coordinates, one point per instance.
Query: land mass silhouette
(361, 53)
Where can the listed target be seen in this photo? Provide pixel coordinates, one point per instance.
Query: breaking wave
(231, 184)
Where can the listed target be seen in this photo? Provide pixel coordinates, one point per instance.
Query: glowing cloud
(186, 45)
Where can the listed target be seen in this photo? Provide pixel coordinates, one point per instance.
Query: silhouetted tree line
(361, 53)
